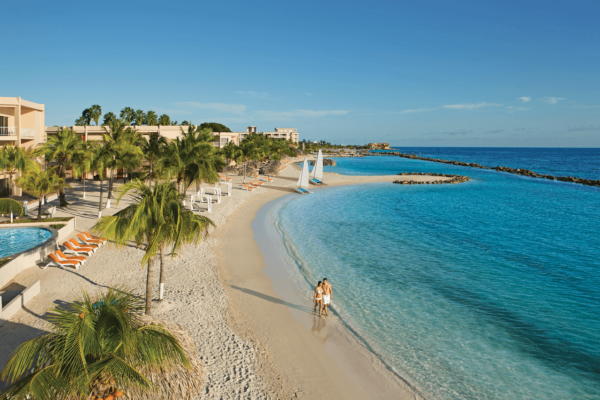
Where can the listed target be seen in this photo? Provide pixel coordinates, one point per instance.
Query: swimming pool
(17, 240)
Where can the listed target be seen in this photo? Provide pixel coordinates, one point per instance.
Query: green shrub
(56, 226)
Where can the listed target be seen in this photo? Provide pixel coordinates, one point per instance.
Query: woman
(318, 297)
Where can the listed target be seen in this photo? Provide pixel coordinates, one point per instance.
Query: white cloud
(417, 110)
(470, 106)
(308, 94)
(553, 100)
(285, 115)
(525, 99)
(512, 109)
(495, 131)
(218, 107)
(586, 128)
(451, 133)
(250, 93)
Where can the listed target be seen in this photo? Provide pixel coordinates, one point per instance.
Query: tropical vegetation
(98, 347)
(38, 183)
(155, 219)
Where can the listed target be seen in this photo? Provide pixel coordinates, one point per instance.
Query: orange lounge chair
(257, 183)
(78, 245)
(63, 257)
(89, 235)
(225, 178)
(77, 250)
(250, 188)
(61, 264)
(90, 242)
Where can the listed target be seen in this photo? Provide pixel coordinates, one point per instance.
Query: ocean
(488, 289)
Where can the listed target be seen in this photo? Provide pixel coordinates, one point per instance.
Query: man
(327, 295)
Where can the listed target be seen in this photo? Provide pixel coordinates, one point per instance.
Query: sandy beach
(254, 344)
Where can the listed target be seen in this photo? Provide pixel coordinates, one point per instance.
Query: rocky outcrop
(531, 174)
(454, 179)
(516, 171)
(326, 162)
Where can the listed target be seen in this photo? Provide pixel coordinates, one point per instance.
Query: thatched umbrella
(179, 382)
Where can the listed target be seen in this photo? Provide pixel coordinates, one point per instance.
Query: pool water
(17, 240)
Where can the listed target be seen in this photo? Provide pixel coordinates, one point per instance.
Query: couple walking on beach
(322, 296)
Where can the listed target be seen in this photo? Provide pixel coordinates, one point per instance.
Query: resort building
(21, 125)
(172, 132)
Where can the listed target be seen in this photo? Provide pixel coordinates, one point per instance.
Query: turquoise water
(488, 289)
(16, 240)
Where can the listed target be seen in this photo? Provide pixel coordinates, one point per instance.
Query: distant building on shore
(379, 146)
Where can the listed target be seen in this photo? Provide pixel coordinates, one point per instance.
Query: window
(225, 140)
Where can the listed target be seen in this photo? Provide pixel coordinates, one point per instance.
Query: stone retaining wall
(19, 302)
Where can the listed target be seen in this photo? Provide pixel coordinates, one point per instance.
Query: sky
(427, 73)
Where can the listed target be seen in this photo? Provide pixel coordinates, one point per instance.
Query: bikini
(319, 291)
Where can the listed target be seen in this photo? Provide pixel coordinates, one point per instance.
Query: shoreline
(344, 367)
(243, 356)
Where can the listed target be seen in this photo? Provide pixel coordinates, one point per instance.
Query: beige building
(172, 132)
(22, 125)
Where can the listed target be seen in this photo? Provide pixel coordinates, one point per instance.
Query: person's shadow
(319, 328)
(272, 299)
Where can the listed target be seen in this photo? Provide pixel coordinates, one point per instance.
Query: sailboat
(317, 174)
(303, 179)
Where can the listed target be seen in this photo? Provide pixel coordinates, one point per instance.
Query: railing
(28, 133)
(8, 131)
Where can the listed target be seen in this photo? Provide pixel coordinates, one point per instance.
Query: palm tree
(164, 120)
(39, 183)
(155, 218)
(153, 149)
(127, 115)
(101, 158)
(83, 161)
(95, 113)
(14, 159)
(151, 118)
(108, 117)
(231, 152)
(85, 119)
(139, 117)
(97, 347)
(119, 142)
(10, 206)
(61, 148)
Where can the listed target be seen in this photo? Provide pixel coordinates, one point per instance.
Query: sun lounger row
(76, 253)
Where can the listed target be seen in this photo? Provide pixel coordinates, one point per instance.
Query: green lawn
(29, 220)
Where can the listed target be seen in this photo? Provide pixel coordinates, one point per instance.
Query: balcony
(8, 131)
(27, 133)
(11, 131)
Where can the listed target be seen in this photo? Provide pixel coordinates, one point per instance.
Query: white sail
(318, 169)
(304, 175)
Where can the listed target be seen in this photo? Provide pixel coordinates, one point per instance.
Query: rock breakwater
(326, 162)
(516, 171)
(454, 179)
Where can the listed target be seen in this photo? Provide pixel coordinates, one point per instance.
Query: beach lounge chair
(257, 183)
(63, 257)
(225, 178)
(90, 242)
(78, 245)
(246, 187)
(57, 262)
(76, 250)
(89, 235)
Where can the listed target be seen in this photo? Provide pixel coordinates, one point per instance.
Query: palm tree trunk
(101, 193)
(162, 276)
(245, 172)
(61, 192)
(10, 184)
(39, 218)
(110, 184)
(149, 286)
(84, 174)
